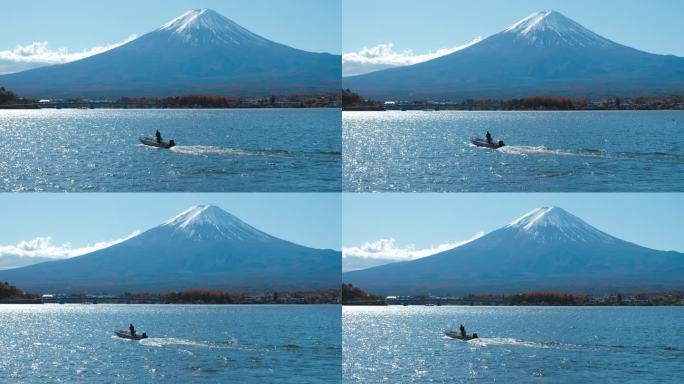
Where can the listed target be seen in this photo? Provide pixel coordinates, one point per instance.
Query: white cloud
(383, 56)
(38, 54)
(43, 247)
(385, 251)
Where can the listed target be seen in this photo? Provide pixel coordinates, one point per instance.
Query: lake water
(199, 344)
(398, 344)
(546, 151)
(217, 150)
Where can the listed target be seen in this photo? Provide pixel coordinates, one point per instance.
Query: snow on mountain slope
(556, 224)
(550, 28)
(203, 25)
(204, 222)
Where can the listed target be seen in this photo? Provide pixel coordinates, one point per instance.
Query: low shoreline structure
(188, 101)
(197, 296)
(354, 102)
(354, 296)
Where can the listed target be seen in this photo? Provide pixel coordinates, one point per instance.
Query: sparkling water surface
(423, 151)
(217, 150)
(75, 343)
(397, 344)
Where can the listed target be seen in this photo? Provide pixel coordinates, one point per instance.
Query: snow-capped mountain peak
(554, 223)
(552, 28)
(202, 222)
(525, 25)
(198, 214)
(542, 216)
(200, 25)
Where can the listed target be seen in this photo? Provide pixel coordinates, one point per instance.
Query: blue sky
(75, 24)
(428, 26)
(51, 32)
(82, 219)
(428, 220)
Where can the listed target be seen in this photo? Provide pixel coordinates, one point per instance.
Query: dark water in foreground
(398, 344)
(200, 344)
(611, 151)
(218, 150)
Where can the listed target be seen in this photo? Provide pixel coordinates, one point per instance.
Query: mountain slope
(546, 249)
(544, 54)
(199, 52)
(204, 247)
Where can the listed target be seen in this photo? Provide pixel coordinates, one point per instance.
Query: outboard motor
(475, 335)
(172, 143)
(501, 144)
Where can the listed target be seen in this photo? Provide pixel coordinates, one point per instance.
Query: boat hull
(484, 143)
(154, 143)
(457, 335)
(127, 335)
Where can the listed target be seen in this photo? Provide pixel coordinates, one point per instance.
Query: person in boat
(132, 329)
(462, 329)
(157, 135)
(488, 136)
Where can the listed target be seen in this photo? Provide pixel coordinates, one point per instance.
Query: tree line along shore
(347, 295)
(356, 296)
(10, 100)
(352, 101)
(10, 294)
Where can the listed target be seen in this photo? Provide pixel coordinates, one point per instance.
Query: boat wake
(172, 341)
(206, 150)
(507, 341)
(210, 150)
(540, 150)
(523, 150)
(497, 341)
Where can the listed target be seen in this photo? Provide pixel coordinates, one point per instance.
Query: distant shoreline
(380, 109)
(355, 296)
(507, 305)
(108, 303)
(6, 107)
(9, 100)
(11, 295)
(352, 101)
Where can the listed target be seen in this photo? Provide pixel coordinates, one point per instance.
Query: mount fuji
(546, 53)
(201, 51)
(203, 247)
(546, 249)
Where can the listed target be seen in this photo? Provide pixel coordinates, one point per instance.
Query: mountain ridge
(545, 249)
(545, 53)
(203, 247)
(200, 51)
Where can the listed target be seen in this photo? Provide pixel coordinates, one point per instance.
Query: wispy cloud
(385, 251)
(43, 247)
(38, 54)
(383, 56)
